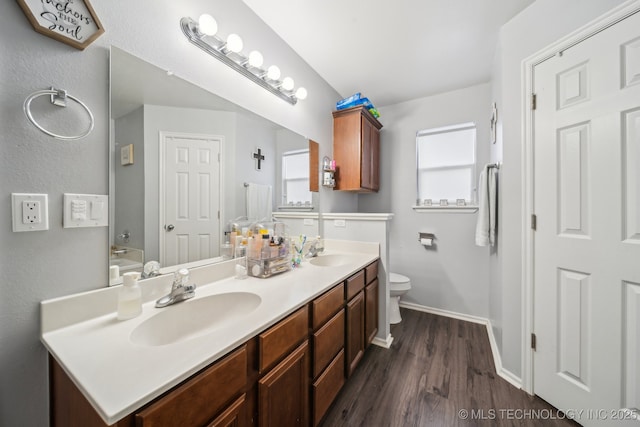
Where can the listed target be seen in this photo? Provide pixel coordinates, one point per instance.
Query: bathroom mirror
(166, 136)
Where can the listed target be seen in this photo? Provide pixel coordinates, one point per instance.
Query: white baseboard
(380, 342)
(505, 374)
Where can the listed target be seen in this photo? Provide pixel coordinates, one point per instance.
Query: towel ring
(59, 98)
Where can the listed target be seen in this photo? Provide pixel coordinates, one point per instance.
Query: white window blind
(295, 177)
(446, 163)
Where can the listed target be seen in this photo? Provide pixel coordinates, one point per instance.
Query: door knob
(169, 227)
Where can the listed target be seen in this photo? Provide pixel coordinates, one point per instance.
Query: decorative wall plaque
(73, 22)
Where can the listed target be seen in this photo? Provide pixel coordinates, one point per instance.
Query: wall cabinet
(356, 150)
(287, 375)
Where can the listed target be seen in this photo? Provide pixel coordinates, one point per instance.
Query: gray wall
(542, 23)
(453, 275)
(42, 265)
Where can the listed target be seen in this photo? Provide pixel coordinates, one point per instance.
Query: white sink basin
(194, 318)
(331, 260)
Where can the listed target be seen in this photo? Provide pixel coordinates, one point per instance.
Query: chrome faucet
(180, 290)
(315, 248)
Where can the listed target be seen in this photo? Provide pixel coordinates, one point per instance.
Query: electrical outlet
(30, 212)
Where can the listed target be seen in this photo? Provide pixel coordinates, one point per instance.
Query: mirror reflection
(179, 160)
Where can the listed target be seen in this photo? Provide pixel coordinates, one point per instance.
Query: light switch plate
(85, 210)
(30, 212)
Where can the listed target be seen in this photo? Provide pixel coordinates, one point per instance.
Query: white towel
(486, 226)
(259, 202)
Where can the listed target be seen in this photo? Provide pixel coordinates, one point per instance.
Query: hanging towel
(259, 202)
(487, 196)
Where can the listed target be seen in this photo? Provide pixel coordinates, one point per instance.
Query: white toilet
(398, 286)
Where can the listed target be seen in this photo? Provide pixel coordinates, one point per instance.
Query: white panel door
(587, 243)
(191, 198)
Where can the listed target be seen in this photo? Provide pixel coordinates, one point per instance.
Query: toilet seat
(398, 282)
(398, 286)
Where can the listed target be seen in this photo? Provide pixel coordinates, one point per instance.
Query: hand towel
(487, 197)
(259, 202)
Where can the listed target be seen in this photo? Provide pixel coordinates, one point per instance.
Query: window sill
(295, 208)
(446, 209)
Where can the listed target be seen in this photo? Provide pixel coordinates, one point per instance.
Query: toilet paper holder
(426, 239)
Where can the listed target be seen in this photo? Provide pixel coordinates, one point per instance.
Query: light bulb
(255, 59)
(207, 25)
(234, 43)
(287, 83)
(273, 72)
(301, 93)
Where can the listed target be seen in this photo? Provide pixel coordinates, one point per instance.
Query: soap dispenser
(129, 297)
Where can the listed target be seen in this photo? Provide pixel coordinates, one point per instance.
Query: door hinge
(533, 342)
(218, 214)
(218, 157)
(534, 101)
(534, 222)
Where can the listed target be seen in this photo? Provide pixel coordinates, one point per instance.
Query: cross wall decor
(259, 157)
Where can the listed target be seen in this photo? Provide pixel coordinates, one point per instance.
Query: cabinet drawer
(371, 272)
(327, 342)
(355, 284)
(326, 388)
(280, 339)
(327, 305)
(197, 401)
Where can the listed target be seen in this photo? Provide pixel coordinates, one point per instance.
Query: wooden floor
(438, 372)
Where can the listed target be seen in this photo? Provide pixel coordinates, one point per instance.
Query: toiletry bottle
(129, 297)
(241, 262)
(226, 251)
(265, 252)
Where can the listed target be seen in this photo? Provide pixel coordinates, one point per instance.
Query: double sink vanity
(267, 352)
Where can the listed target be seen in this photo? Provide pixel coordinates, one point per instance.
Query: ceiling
(392, 51)
(135, 82)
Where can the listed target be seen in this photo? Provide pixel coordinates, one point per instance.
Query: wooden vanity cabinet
(356, 149)
(289, 374)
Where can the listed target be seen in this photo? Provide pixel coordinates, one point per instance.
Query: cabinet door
(371, 311)
(233, 416)
(374, 157)
(283, 393)
(370, 157)
(355, 332)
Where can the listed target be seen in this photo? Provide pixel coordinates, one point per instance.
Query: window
(295, 177)
(446, 164)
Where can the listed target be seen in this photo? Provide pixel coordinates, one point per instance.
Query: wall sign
(73, 22)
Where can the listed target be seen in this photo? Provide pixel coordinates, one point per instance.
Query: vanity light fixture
(202, 33)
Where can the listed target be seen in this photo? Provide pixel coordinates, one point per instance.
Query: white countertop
(117, 376)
